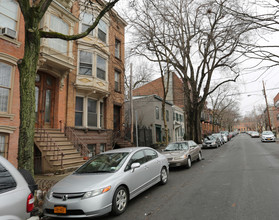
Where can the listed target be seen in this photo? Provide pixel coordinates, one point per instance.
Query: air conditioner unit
(8, 32)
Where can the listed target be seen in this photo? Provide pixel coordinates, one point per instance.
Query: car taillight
(30, 203)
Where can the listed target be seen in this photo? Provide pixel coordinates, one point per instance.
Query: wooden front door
(44, 95)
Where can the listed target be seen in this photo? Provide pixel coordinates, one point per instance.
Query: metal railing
(50, 145)
(73, 137)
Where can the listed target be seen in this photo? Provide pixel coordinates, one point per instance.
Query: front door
(44, 96)
(116, 118)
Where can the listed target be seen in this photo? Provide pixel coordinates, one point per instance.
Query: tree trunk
(194, 124)
(27, 69)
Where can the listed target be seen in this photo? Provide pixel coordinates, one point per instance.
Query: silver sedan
(106, 183)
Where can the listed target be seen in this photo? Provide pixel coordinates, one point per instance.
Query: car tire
(200, 156)
(189, 162)
(163, 176)
(119, 201)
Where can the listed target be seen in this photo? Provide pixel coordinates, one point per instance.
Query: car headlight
(49, 194)
(96, 192)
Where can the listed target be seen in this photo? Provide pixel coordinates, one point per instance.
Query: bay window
(85, 63)
(87, 21)
(102, 31)
(4, 145)
(101, 68)
(58, 25)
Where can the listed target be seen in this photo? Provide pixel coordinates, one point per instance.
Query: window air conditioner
(8, 32)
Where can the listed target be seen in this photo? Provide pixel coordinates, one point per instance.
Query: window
(176, 117)
(85, 63)
(5, 86)
(79, 111)
(138, 157)
(157, 112)
(102, 148)
(101, 114)
(117, 81)
(8, 14)
(92, 113)
(167, 115)
(58, 25)
(150, 155)
(180, 118)
(4, 145)
(87, 21)
(101, 68)
(102, 31)
(7, 181)
(92, 149)
(117, 48)
(88, 112)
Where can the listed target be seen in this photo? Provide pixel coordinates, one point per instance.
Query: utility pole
(131, 104)
(267, 107)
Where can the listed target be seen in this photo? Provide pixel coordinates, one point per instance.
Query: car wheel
(164, 176)
(200, 156)
(119, 201)
(189, 163)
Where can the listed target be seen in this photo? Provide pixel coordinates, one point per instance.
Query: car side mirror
(134, 166)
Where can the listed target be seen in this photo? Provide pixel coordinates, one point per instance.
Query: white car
(267, 136)
(16, 197)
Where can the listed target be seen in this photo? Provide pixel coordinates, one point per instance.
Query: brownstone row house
(79, 85)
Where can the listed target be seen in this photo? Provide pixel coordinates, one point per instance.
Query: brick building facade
(79, 84)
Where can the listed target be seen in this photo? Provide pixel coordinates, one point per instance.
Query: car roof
(127, 150)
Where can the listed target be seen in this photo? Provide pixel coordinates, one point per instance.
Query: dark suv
(16, 195)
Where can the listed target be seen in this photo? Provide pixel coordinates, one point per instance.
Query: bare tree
(197, 39)
(222, 101)
(33, 12)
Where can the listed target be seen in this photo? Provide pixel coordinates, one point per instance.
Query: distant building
(148, 110)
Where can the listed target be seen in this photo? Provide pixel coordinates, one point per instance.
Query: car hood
(169, 154)
(209, 141)
(268, 136)
(83, 182)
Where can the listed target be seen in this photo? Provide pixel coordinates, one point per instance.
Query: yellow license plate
(60, 210)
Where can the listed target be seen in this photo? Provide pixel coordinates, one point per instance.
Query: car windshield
(104, 163)
(210, 138)
(177, 146)
(267, 133)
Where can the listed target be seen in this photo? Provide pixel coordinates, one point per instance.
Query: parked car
(255, 134)
(16, 195)
(267, 136)
(106, 183)
(219, 135)
(182, 153)
(211, 141)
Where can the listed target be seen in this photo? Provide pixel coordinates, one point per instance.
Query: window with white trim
(8, 14)
(89, 112)
(102, 31)
(86, 65)
(87, 21)
(101, 68)
(5, 86)
(4, 145)
(58, 25)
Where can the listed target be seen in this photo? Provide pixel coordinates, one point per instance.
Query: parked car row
(106, 182)
(266, 136)
(217, 139)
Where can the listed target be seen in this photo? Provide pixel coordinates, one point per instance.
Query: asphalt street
(239, 180)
